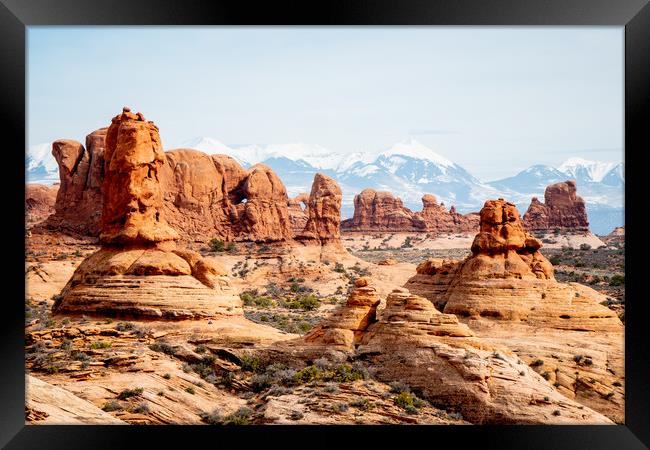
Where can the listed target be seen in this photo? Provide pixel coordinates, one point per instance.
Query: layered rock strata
(506, 292)
(562, 210)
(138, 271)
(39, 202)
(346, 325)
(381, 211)
(438, 357)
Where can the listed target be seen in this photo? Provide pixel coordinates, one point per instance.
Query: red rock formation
(138, 271)
(324, 209)
(505, 291)
(562, 209)
(81, 171)
(381, 211)
(204, 196)
(39, 202)
(439, 220)
(298, 212)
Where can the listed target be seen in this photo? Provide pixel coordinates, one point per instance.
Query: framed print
(260, 223)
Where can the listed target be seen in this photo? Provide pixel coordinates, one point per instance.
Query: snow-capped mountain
(585, 170)
(40, 165)
(409, 169)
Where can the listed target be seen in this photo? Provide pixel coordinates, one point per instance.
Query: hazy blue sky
(494, 99)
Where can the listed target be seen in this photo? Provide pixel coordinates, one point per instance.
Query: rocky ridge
(381, 211)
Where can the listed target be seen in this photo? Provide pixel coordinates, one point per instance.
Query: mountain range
(408, 169)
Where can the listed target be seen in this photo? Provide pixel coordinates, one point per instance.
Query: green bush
(112, 406)
(251, 364)
(164, 347)
(338, 267)
(305, 302)
(100, 344)
(408, 401)
(217, 245)
(239, 417)
(128, 393)
(617, 280)
(585, 247)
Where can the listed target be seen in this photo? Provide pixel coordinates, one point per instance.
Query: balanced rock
(562, 209)
(39, 202)
(505, 291)
(138, 271)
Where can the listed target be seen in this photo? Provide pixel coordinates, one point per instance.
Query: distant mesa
(381, 211)
(562, 210)
(139, 272)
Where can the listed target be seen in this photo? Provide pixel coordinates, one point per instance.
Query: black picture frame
(634, 15)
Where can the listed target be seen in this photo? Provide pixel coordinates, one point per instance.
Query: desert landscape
(172, 286)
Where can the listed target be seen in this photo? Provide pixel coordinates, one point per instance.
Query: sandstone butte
(507, 294)
(381, 211)
(436, 355)
(39, 202)
(138, 270)
(204, 197)
(562, 210)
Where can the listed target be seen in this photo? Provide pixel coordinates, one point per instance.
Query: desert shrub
(555, 260)
(344, 373)
(408, 401)
(308, 374)
(407, 242)
(556, 412)
(164, 347)
(112, 405)
(190, 390)
(211, 418)
(251, 364)
(201, 348)
(124, 326)
(79, 356)
(128, 393)
(100, 344)
(239, 417)
(141, 408)
(167, 376)
(217, 245)
(537, 363)
(263, 302)
(617, 280)
(362, 403)
(307, 302)
(331, 388)
(338, 267)
(585, 247)
(296, 415)
(397, 387)
(231, 247)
